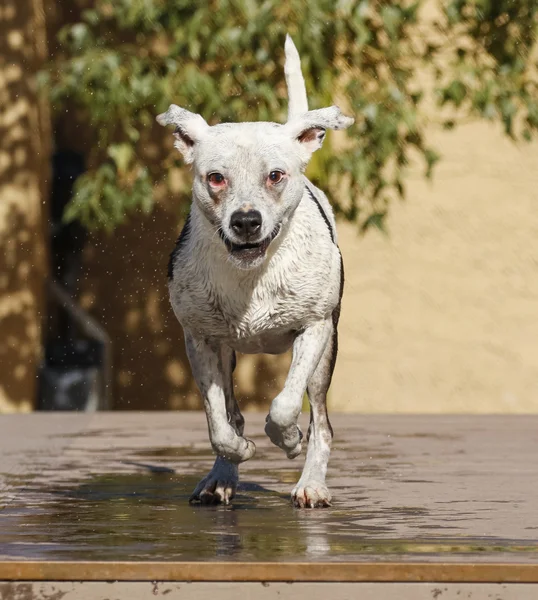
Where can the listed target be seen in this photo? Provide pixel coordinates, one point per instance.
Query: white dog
(257, 269)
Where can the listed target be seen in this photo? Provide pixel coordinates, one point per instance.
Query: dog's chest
(268, 307)
(252, 314)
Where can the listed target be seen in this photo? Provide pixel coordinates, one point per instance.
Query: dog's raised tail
(297, 100)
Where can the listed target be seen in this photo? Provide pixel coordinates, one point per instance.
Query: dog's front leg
(207, 367)
(220, 484)
(281, 423)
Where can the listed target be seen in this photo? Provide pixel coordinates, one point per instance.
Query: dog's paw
(219, 486)
(313, 494)
(287, 438)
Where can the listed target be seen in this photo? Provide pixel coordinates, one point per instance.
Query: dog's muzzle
(249, 251)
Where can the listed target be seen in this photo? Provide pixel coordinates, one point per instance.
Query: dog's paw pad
(312, 495)
(250, 450)
(294, 452)
(288, 439)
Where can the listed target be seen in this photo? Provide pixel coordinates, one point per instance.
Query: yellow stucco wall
(443, 315)
(23, 175)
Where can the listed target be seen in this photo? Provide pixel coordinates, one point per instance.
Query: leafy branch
(127, 60)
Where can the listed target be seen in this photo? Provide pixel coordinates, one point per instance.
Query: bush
(127, 60)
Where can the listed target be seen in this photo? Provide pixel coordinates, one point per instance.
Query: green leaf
(455, 92)
(376, 220)
(122, 155)
(432, 158)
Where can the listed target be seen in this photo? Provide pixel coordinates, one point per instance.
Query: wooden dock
(424, 507)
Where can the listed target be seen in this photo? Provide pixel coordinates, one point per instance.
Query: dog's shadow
(244, 487)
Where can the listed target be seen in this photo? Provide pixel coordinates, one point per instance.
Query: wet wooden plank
(416, 498)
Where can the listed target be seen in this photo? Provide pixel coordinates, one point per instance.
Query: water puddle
(145, 515)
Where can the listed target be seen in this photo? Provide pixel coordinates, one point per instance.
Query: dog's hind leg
(235, 417)
(220, 484)
(311, 491)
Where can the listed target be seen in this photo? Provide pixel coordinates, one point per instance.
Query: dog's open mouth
(249, 251)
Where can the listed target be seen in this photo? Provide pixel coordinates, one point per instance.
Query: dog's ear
(190, 128)
(309, 128)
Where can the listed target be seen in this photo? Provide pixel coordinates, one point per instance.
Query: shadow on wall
(125, 288)
(23, 169)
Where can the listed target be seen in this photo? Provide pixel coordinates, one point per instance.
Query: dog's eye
(215, 178)
(275, 176)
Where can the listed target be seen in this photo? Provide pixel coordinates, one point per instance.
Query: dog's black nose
(246, 224)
